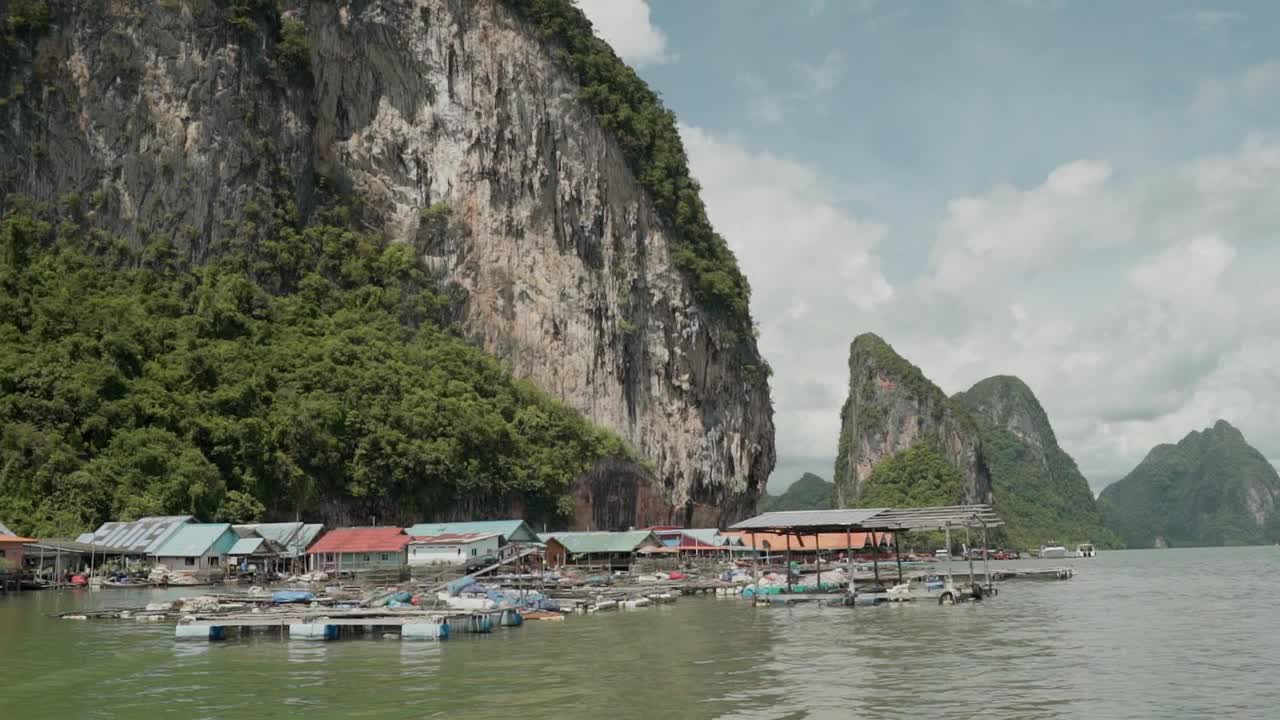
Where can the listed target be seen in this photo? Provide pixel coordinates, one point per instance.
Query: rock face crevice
(891, 407)
(163, 118)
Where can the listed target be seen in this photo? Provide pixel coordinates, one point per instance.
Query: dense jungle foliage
(303, 370)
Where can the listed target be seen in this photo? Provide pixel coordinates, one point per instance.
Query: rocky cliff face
(1008, 403)
(1037, 487)
(1212, 488)
(174, 118)
(892, 407)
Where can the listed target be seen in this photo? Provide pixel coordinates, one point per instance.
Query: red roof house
(360, 549)
(11, 552)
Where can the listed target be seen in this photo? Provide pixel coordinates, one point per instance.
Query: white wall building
(452, 548)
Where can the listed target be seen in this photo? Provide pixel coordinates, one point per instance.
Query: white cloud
(1039, 4)
(1137, 308)
(822, 78)
(1010, 229)
(1186, 273)
(1207, 20)
(626, 26)
(810, 262)
(1229, 93)
(764, 107)
(812, 84)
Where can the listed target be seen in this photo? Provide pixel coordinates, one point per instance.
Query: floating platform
(297, 626)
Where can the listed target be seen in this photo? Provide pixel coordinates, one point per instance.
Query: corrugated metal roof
(806, 543)
(14, 539)
(246, 546)
(349, 540)
(927, 518)
(53, 545)
(6, 531)
(294, 537)
(143, 535)
(936, 518)
(848, 517)
(606, 542)
(708, 536)
(196, 539)
(452, 538)
(513, 530)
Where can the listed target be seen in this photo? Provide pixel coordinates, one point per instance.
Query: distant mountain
(1038, 488)
(904, 443)
(1212, 488)
(810, 492)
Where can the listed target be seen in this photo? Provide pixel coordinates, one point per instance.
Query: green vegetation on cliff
(810, 492)
(626, 106)
(919, 476)
(1212, 488)
(302, 369)
(1038, 488)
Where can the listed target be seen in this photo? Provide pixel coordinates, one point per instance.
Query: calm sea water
(1137, 634)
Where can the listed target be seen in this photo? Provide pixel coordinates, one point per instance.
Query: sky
(1082, 194)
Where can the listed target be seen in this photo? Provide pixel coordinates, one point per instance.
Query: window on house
(328, 557)
(473, 551)
(1, 553)
(190, 561)
(365, 557)
(386, 556)
(213, 562)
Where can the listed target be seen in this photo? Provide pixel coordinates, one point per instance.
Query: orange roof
(15, 539)
(360, 540)
(825, 541)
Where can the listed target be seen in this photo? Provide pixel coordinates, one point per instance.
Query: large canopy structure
(798, 523)
(808, 522)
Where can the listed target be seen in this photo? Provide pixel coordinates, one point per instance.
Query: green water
(1142, 634)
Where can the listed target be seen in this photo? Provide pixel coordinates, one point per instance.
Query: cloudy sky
(1086, 195)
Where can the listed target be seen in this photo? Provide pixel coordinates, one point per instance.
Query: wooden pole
(897, 552)
(875, 556)
(788, 536)
(966, 542)
(755, 564)
(986, 564)
(817, 553)
(948, 528)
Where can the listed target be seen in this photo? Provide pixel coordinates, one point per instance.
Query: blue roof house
(198, 549)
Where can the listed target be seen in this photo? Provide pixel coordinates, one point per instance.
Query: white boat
(1085, 550)
(1052, 551)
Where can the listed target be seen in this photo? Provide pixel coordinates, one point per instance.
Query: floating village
(433, 580)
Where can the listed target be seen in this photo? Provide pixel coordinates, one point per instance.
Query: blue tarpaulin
(284, 597)
(457, 586)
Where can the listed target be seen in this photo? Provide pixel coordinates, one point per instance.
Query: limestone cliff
(891, 408)
(1037, 487)
(189, 118)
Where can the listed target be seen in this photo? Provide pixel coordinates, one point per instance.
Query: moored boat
(1052, 551)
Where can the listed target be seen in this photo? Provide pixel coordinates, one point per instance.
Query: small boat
(1085, 550)
(1053, 551)
(123, 583)
(543, 615)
